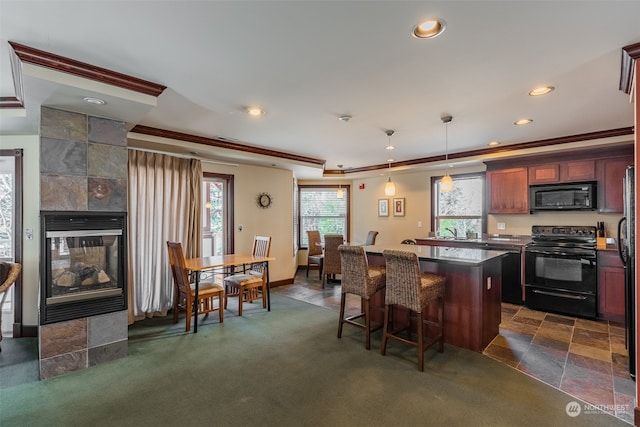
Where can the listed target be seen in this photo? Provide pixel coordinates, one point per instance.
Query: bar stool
(358, 278)
(409, 288)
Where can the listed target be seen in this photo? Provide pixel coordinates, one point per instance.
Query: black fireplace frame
(87, 220)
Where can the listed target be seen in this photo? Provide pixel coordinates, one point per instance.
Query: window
(322, 210)
(217, 214)
(460, 211)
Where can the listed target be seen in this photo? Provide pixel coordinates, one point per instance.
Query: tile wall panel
(63, 125)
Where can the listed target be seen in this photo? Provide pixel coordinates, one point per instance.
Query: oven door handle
(582, 254)
(557, 294)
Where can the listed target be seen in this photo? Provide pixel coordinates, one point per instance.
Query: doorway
(10, 236)
(217, 214)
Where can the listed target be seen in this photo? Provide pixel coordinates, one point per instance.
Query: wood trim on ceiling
(493, 150)
(630, 54)
(212, 142)
(82, 69)
(10, 102)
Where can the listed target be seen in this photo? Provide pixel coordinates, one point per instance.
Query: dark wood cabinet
(610, 173)
(544, 174)
(570, 171)
(610, 286)
(508, 191)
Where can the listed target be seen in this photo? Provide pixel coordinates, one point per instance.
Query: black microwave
(574, 196)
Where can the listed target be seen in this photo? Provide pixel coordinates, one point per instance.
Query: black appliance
(626, 250)
(560, 270)
(563, 197)
(511, 271)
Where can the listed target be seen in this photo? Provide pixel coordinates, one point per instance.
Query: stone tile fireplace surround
(83, 167)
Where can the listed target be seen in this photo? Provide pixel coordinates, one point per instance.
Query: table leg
(195, 321)
(268, 288)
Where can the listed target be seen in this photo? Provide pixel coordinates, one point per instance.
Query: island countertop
(472, 307)
(442, 254)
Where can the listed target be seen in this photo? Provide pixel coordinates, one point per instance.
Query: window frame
(320, 187)
(435, 193)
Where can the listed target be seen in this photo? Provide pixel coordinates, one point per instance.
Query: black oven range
(561, 275)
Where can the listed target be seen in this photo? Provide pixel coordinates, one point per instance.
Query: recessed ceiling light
(541, 90)
(494, 143)
(344, 118)
(390, 147)
(429, 28)
(522, 122)
(95, 101)
(255, 111)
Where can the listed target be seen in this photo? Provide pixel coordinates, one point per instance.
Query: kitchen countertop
(487, 239)
(444, 254)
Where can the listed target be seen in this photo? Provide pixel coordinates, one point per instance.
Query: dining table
(217, 262)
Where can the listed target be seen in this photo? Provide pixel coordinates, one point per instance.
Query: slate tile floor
(584, 358)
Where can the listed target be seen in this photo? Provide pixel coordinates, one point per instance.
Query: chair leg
(264, 295)
(176, 306)
(226, 293)
(220, 309)
(307, 268)
(367, 324)
(343, 299)
(188, 320)
(441, 323)
(385, 328)
(420, 342)
(240, 293)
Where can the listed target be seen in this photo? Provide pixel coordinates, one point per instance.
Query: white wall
(31, 220)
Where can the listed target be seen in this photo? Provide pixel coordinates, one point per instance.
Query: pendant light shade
(446, 183)
(389, 187)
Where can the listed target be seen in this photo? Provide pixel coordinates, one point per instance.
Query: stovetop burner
(566, 235)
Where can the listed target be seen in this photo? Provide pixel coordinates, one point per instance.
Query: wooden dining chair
(251, 284)
(371, 238)
(331, 264)
(315, 256)
(9, 272)
(185, 291)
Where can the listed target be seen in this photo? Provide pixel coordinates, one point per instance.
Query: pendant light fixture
(446, 184)
(340, 192)
(389, 187)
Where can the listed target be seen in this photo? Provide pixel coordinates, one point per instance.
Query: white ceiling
(308, 62)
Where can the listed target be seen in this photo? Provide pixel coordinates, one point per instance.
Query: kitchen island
(472, 308)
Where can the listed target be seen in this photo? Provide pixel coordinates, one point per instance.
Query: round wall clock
(264, 200)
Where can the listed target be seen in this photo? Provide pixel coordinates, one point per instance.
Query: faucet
(453, 232)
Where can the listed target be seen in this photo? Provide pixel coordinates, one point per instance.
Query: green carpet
(284, 368)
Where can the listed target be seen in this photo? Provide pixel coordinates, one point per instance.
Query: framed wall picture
(383, 207)
(398, 206)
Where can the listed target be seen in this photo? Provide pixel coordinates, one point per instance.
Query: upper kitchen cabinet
(570, 171)
(610, 172)
(508, 191)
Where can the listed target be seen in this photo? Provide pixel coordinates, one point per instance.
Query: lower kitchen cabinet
(610, 286)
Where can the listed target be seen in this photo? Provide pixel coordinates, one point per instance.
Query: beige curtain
(165, 198)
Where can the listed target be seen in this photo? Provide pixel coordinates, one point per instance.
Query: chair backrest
(261, 247)
(178, 269)
(315, 247)
(9, 272)
(371, 238)
(403, 279)
(332, 263)
(354, 269)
